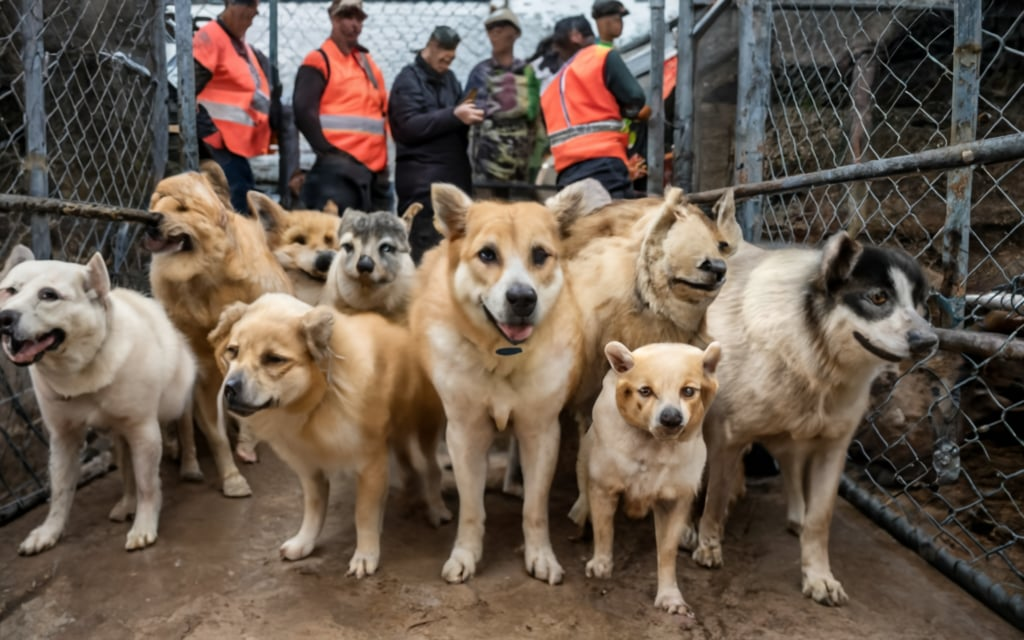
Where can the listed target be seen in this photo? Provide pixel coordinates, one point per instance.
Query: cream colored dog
(98, 358)
(646, 446)
(330, 392)
(499, 335)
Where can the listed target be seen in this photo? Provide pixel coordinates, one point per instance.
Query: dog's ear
(97, 279)
(317, 326)
(331, 207)
(451, 206)
(410, 214)
(619, 356)
(577, 200)
(725, 218)
(712, 356)
(228, 317)
(20, 254)
(709, 386)
(218, 181)
(838, 258)
(269, 214)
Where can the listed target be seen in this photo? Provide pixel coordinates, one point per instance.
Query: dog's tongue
(27, 350)
(160, 245)
(516, 332)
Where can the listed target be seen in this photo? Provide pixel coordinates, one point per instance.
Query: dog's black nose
(152, 229)
(232, 387)
(715, 266)
(921, 341)
(323, 261)
(8, 318)
(671, 418)
(365, 264)
(522, 299)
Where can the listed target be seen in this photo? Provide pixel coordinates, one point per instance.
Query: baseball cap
(565, 27)
(503, 15)
(603, 8)
(346, 6)
(446, 37)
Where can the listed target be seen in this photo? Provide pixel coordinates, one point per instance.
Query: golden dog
(499, 334)
(646, 447)
(304, 242)
(205, 256)
(329, 392)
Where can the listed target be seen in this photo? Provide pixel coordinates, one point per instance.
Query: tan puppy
(646, 447)
(329, 392)
(304, 242)
(205, 257)
(99, 358)
(499, 334)
(374, 270)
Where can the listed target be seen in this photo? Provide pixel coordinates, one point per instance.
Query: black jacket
(430, 141)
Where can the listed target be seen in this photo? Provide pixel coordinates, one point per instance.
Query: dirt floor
(215, 573)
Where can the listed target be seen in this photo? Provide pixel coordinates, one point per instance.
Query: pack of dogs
(672, 342)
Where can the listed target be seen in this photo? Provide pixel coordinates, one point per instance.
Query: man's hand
(469, 113)
(644, 114)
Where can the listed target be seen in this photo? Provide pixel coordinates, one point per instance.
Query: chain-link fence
(842, 87)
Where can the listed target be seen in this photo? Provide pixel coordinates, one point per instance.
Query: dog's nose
(716, 266)
(365, 264)
(323, 261)
(522, 299)
(671, 418)
(8, 318)
(232, 387)
(152, 229)
(921, 341)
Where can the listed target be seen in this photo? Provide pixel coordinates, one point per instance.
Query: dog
(804, 332)
(206, 256)
(328, 392)
(304, 242)
(374, 270)
(646, 446)
(98, 358)
(499, 335)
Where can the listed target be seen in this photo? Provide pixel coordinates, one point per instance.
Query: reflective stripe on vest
(237, 95)
(352, 123)
(583, 117)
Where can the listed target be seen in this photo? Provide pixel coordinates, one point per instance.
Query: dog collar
(508, 351)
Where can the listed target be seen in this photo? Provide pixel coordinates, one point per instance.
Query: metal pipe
(682, 158)
(274, 80)
(706, 20)
(36, 162)
(186, 85)
(997, 300)
(752, 86)
(656, 123)
(992, 150)
(159, 117)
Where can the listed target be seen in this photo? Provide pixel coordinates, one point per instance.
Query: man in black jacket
(430, 124)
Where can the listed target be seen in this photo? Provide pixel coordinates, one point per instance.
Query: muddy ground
(215, 573)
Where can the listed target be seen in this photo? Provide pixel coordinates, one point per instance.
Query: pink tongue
(516, 332)
(29, 350)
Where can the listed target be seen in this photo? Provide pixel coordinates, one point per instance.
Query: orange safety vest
(354, 105)
(237, 97)
(582, 116)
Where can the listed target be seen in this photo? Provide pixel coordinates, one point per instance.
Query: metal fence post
(957, 231)
(273, 45)
(186, 85)
(35, 121)
(682, 158)
(160, 118)
(752, 85)
(656, 124)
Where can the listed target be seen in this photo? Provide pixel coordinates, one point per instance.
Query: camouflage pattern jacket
(500, 148)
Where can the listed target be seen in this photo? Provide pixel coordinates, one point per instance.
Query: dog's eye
(539, 256)
(231, 351)
(644, 392)
(329, 241)
(299, 240)
(270, 359)
(688, 392)
(878, 297)
(387, 248)
(487, 255)
(48, 294)
(723, 246)
(348, 247)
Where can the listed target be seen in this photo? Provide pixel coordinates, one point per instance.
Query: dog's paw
(689, 538)
(296, 548)
(542, 564)
(190, 472)
(671, 600)
(708, 554)
(41, 539)
(599, 567)
(438, 514)
(139, 538)
(363, 564)
(246, 452)
(236, 486)
(824, 589)
(459, 567)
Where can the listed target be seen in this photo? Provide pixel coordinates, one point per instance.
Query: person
(508, 92)
(341, 104)
(584, 107)
(430, 124)
(608, 15)
(237, 109)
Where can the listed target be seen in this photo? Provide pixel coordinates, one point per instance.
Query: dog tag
(508, 351)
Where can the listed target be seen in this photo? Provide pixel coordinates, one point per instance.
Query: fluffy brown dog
(647, 447)
(499, 335)
(329, 392)
(205, 257)
(304, 242)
